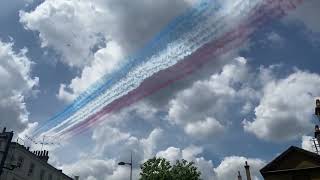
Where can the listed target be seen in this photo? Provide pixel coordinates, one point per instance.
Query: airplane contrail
(262, 15)
(179, 58)
(213, 25)
(172, 30)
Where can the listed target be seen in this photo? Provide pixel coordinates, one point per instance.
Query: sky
(249, 103)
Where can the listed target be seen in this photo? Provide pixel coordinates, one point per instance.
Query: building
(293, 164)
(22, 164)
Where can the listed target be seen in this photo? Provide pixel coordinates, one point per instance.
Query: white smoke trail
(175, 51)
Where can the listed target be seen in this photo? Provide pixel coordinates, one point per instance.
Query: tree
(160, 169)
(156, 169)
(185, 170)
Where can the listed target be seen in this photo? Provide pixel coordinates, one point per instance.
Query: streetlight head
(121, 163)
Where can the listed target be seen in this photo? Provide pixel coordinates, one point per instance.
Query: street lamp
(130, 164)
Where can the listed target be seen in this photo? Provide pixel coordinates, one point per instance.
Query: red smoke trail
(191, 63)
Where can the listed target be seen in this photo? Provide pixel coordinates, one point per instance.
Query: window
(31, 169)
(20, 162)
(42, 173)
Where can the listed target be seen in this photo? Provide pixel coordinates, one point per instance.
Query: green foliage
(160, 169)
(156, 169)
(185, 170)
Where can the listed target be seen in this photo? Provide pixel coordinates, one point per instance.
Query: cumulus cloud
(75, 29)
(105, 61)
(103, 159)
(204, 128)
(172, 154)
(16, 84)
(229, 167)
(99, 169)
(91, 168)
(117, 127)
(150, 144)
(226, 170)
(191, 153)
(203, 109)
(96, 35)
(286, 108)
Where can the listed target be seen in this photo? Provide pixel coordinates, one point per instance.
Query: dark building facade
(293, 164)
(22, 164)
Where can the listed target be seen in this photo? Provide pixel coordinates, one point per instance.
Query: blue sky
(249, 104)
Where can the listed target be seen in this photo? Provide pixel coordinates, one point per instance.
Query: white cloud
(286, 108)
(16, 84)
(150, 144)
(203, 109)
(89, 169)
(172, 154)
(204, 128)
(105, 61)
(75, 28)
(307, 143)
(107, 167)
(191, 153)
(229, 167)
(226, 170)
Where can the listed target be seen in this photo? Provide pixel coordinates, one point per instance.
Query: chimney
(4, 130)
(44, 155)
(247, 167)
(239, 176)
(76, 177)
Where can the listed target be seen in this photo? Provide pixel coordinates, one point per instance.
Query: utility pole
(131, 165)
(8, 137)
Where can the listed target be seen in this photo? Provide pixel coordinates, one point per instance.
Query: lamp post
(317, 109)
(130, 164)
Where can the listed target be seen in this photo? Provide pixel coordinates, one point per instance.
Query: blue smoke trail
(186, 22)
(205, 34)
(95, 106)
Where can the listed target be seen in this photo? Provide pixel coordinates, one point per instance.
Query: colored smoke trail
(178, 26)
(206, 31)
(93, 105)
(233, 39)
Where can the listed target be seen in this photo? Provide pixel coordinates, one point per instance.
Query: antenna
(43, 142)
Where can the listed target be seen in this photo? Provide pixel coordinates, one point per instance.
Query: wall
(18, 152)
